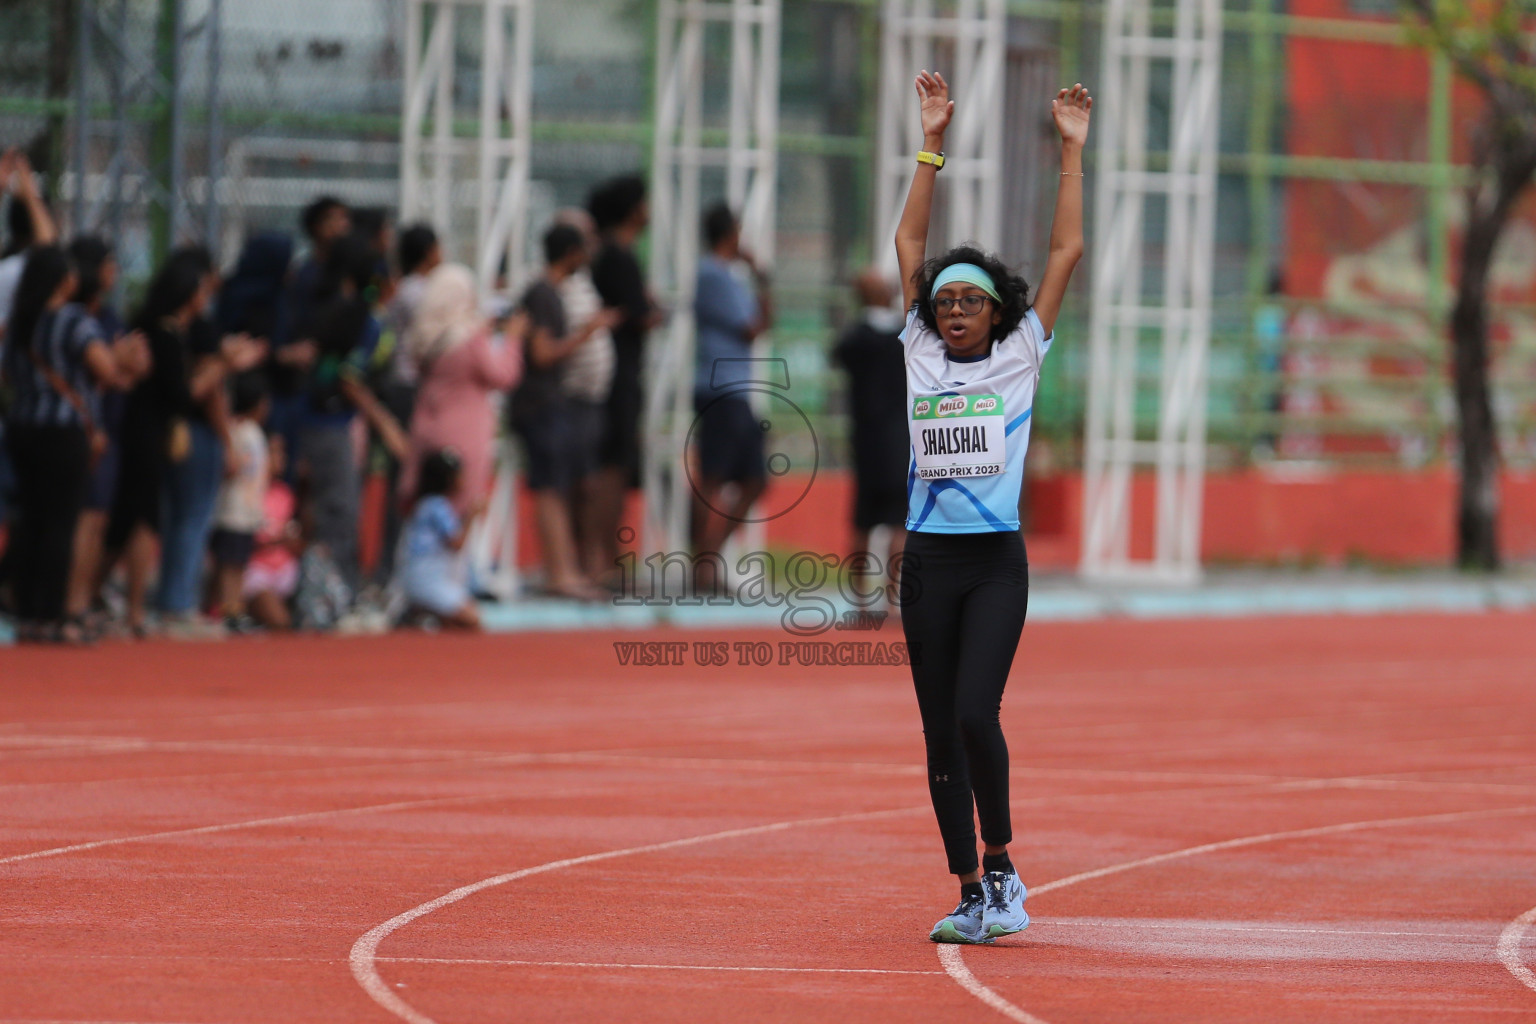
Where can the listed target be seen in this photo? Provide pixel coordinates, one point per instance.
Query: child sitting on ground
(272, 575)
(432, 573)
(240, 511)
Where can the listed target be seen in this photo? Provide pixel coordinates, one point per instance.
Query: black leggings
(52, 470)
(963, 602)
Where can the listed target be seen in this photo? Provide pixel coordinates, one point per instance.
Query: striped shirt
(59, 342)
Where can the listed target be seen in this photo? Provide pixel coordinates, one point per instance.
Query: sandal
(70, 632)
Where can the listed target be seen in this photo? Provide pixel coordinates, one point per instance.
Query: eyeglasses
(970, 305)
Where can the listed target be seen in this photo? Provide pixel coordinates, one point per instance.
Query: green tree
(1486, 42)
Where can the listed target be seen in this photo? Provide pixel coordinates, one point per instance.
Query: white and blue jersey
(960, 414)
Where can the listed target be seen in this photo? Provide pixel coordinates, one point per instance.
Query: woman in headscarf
(462, 363)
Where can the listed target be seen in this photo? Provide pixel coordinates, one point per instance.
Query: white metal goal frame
(967, 42)
(441, 174)
(1123, 315)
(434, 161)
(682, 150)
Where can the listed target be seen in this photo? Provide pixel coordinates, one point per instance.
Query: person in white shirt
(240, 509)
(974, 345)
(585, 382)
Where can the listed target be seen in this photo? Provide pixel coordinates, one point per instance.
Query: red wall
(1253, 517)
(1323, 517)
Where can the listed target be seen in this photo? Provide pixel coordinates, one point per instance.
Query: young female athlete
(974, 344)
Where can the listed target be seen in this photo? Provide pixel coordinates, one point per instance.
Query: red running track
(1309, 820)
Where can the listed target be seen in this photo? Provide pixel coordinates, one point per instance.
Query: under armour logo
(941, 778)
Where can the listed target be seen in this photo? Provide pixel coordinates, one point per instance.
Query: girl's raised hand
(933, 91)
(1071, 109)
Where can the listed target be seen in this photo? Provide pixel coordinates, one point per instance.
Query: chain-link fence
(1338, 211)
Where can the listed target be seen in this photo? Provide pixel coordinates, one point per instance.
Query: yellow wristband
(936, 159)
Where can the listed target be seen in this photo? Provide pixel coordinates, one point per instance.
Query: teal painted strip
(1052, 600)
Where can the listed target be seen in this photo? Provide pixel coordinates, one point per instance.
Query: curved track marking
(1509, 948)
(1273, 837)
(1509, 943)
(954, 965)
(364, 957)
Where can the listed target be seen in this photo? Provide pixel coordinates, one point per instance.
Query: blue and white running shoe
(964, 925)
(1003, 910)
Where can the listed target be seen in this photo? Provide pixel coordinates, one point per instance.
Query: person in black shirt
(870, 352)
(254, 299)
(326, 222)
(167, 433)
(56, 361)
(621, 212)
(192, 483)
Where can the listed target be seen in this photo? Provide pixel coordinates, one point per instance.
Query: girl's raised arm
(912, 232)
(1070, 109)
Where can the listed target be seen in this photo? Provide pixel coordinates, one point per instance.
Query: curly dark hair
(439, 473)
(1011, 288)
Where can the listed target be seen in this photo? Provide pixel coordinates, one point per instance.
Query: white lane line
(1273, 837)
(285, 819)
(134, 744)
(641, 967)
(954, 965)
(59, 851)
(364, 955)
(950, 956)
(37, 1020)
(31, 745)
(1509, 948)
(1129, 923)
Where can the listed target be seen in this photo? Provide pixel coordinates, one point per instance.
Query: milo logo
(952, 406)
(921, 408)
(987, 404)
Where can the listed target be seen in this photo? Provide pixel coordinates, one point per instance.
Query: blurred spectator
(371, 224)
(326, 221)
(241, 508)
(585, 382)
(346, 333)
(541, 413)
(870, 352)
(27, 222)
(418, 254)
(253, 300)
(728, 315)
(433, 572)
(462, 364)
(56, 359)
(154, 426)
(96, 278)
(191, 482)
(272, 574)
(621, 213)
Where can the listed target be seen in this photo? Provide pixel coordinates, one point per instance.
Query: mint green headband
(966, 273)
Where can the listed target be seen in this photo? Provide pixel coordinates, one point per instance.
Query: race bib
(959, 436)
